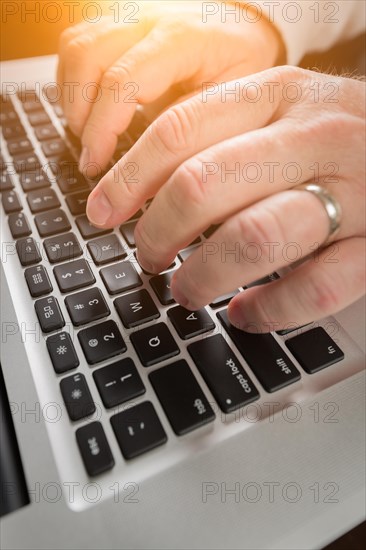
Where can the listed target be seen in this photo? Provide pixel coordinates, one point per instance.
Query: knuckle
(173, 131)
(113, 75)
(260, 227)
(186, 188)
(78, 49)
(322, 295)
(67, 35)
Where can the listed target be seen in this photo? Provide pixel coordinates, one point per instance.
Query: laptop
(128, 422)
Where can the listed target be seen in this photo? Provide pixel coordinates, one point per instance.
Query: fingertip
(98, 209)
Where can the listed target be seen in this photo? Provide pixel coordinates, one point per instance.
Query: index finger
(178, 134)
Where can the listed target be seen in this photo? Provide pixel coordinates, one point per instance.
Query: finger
(191, 201)
(174, 137)
(312, 291)
(86, 52)
(141, 75)
(259, 240)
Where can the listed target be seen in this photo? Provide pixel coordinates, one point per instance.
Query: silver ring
(331, 205)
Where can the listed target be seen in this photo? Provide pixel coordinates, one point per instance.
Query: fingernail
(177, 294)
(99, 209)
(84, 158)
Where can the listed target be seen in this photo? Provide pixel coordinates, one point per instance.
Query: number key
(73, 275)
(87, 306)
(101, 342)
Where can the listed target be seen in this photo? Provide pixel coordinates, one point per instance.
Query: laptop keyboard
(118, 320)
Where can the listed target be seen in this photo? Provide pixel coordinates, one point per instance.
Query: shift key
(264, 356)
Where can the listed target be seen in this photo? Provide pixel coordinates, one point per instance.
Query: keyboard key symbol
(76, 394)
(61, 350)
(154, 342)
(93, 343)
(93, 446)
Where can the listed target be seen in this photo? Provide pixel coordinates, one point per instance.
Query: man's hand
(238, 161)
(137, 62)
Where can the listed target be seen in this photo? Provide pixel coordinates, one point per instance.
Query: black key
(88, 230)
(11, 202)
(87, 306)
(77, 202)
(138, 430)
(52, 222)
(154, 344)
(106, 250)
(101, 342)
(21, 145)
(28, 251)
(72, 138)
(120, 277)
(315, 350)
(128, 232)
(62, 247)
(124, 144)
(210, 231)
(224, 299)
(14, 131)
(94, 448)
(226, 378)
(64, 164)
(34, 180)
(78, 400)
(118, 383)
(290, 328)
(136, 308)
(136, 215)
(41, 200)
(161, 286)
(73, 275)
(137, 126)
(38, 281)
(8, 117)
(62, 352)
(71, 181)
(190, 323)
(264, 355)
(185, 254)
(54, 147)
(3, 164)
(38, 118)
(47, 131)
(19, 225)
(49, 314)
(148, 272)
(26, 163)
(28, 96)
(32, 106)
(5, 182)
(181, 397)
(265, 280)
